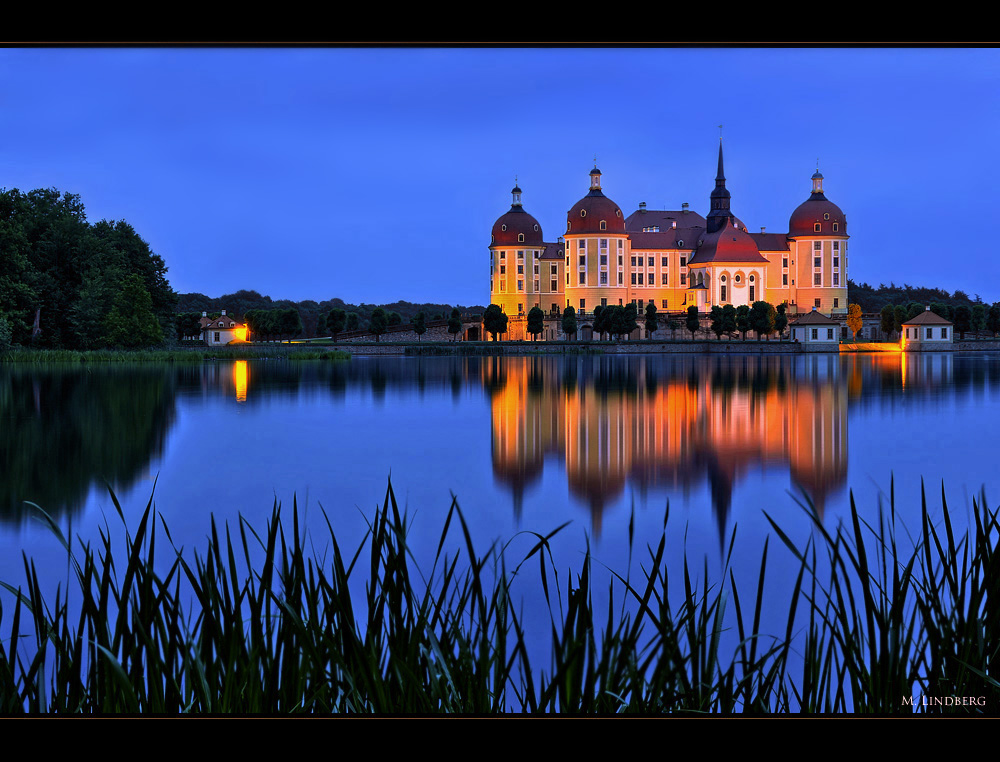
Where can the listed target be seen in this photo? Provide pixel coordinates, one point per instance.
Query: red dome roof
(728, 244)
(515, 222)
(817, 210)
(588, 213)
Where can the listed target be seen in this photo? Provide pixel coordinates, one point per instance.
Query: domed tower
(596, 250)
(817, 233)
(515, 249)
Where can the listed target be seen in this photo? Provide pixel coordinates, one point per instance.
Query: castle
(672, 259)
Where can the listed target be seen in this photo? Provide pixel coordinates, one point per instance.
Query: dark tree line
(90, 285)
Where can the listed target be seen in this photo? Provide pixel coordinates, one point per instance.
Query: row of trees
(66, 283)
(337, 321)
(621, 320)
(977, 317)
(271, 325)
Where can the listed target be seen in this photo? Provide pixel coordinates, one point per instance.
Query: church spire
(720, 197)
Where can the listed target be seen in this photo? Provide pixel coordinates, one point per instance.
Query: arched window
(520, 237)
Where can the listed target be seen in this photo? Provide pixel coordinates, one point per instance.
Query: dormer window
(520, 237)
(835, 227)
(816, 228)
(503, 227)
(604, 225)
(536, 228)
(583, 212)
(826, 216)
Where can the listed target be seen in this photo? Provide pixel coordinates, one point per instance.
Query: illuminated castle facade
(672, 259)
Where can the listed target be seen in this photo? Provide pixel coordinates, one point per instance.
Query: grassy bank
(868, 626)
(242, 352)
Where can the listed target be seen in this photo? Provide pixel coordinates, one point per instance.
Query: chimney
(204, 314)
(684, 207)
(927, 309)
(762, 228)
(223, 313)
(560, 240)
(642, 207)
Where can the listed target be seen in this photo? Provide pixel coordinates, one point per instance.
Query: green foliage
(899, 317)
(6, 334)
(978, 317)
(872, 299)
(718, 328)
(495, 321)
(336, 321)
(378, 323)
(854, 319)
(53, 262)
(651, 322)
(692, 322)
(395, 318)
(602, 321)
(887, 320)
(780, 319)
(455, 323)
(743, 321)
(963, 320)
(993, 319)
(536, 322)
(569, 322)
(353, 321)
(762, 318)
(419, 324)
(131, 323)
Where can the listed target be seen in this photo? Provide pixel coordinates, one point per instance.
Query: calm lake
(525, 444)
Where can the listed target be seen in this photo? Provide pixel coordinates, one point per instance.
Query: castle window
(633, 279)
(784, 279)
(738, 278)
(817, 279)
(536, 269)
(826, 216)
(604, 225)
(664, 304)
(836, 302)
(520, 285)
(520, 269)
(684, 279)
(836, 261)
(835, 226)
(619, 244)
(583, 260)
(583, 277)
(520, 237)
(683, 259)
(784, 261)
(581, 245)
(569, 226)
(651, 260)
(503, 227)
(817, 245)
(536, 228)
(604, 260)
(665, 277)
(640, 279)
(604, 279)
(663, 262)
(621, 278)
(618, 212)
(554, 269)
(583, 212)
(537, 287)
(554, 286)
(817, 262)
(503, 285)
(816, 302)
(503, 269)
(836, 279)
(604, 243)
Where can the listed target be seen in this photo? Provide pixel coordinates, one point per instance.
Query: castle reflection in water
(673, 423)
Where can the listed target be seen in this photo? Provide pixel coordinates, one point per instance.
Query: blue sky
(376, 174)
